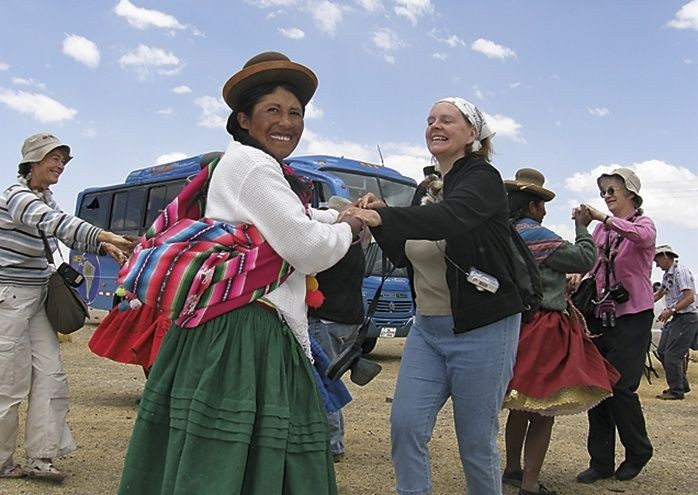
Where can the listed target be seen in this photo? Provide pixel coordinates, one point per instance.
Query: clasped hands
(361, 213)
(117, 246)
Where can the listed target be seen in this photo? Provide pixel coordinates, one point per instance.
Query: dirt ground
(103, 409)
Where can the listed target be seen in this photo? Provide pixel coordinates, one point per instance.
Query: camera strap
(363, 329)
(610, 255)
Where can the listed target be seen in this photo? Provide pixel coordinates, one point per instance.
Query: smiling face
(448, 133)
(276, 122)
(617, 198)
(47, 172)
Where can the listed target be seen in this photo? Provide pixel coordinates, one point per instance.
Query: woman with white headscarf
(463, 342)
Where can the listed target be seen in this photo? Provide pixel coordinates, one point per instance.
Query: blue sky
(572, 88)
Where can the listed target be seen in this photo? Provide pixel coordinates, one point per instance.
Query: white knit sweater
(248, 186)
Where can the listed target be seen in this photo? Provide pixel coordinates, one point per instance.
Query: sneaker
(44, 469)
(11, 470)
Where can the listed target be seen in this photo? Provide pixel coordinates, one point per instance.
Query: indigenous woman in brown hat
(463, 342)
(231, 405)
(30, 359)
(625, 241)
(558, 369)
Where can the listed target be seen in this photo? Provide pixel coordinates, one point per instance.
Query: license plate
(388, 331)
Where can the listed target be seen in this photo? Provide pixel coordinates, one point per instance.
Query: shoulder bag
(65, 308)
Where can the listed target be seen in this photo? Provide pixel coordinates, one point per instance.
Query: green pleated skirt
(230, 407)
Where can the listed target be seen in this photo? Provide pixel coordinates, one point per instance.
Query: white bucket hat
(630, 178)
(36, 147)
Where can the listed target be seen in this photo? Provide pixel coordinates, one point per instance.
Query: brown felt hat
(266, 68)
(530, 180)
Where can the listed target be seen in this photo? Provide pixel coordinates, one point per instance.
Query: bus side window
(158, 198)
(127, 212)
(95, 209)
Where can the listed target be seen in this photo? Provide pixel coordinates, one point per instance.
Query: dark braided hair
(518, 204)
(248, 100)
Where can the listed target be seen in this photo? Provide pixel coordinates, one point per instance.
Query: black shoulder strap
(47, 249)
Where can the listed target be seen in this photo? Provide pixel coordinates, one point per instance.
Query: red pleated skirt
(133, 336)
(558, 368)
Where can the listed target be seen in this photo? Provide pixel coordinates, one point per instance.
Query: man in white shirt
(680, 317)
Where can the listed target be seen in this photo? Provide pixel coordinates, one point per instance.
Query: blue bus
(130, 208)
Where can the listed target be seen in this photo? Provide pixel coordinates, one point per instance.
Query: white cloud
(170, 157)
(145, 58)
(413, 9)
(439, 56)
(514, 85)
(479, 94)
(292, 33)
(167, 112)
(453, 41)
(263, 4)
(686, 17)
(688, 61)
(89, 132)
(666, 189)
(141, 18)
(41, 107)
(20, 81)
(492, 50)
(181, 90)
(598, 111)
(313, 112)
(214, 112)
(504, 127)
(4, 66)
(387, 41)
(327, 15)
(371, 5)
(82, 50)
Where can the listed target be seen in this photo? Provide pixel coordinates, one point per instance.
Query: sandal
(512, 478)
(12, 470)
(39, 468)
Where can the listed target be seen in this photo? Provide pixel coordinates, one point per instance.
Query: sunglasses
(611, 191)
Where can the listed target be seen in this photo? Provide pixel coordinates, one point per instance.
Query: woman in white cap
(625, 241)
(558, 369)
(30, 361)
(463, 342)
(231, 405)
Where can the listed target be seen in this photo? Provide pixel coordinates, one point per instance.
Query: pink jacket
(632, 263)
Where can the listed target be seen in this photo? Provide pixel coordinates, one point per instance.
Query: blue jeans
(334, 338)
(474, 369)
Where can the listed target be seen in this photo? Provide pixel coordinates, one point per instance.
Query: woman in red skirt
(558, 369)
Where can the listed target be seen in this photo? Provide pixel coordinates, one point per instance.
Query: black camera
(619, 293)
(72, 277)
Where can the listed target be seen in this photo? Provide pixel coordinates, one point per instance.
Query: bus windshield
(394, 193)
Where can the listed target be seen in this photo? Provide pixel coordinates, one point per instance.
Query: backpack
(526, 275)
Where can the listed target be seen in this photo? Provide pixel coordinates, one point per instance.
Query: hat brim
(279, 71)
(39, 154)
(516, 185)
(670, 253)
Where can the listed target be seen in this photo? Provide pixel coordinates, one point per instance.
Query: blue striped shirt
(22, 213)
(677, 279)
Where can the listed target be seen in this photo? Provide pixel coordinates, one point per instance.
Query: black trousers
(625, 347)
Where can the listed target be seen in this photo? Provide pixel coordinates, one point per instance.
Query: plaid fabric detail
(196, 268)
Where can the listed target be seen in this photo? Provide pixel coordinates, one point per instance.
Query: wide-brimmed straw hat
(37, 146)
(530, 180)
(270, 67)
(665, 249)
(630, 179)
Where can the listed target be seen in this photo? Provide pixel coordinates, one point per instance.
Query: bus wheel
(368, 345)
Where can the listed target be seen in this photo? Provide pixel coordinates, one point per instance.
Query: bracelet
(101, 249)
(605, 219)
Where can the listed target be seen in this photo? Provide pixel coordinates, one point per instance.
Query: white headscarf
(474, 116)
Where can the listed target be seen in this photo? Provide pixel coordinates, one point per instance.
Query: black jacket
(474, 219)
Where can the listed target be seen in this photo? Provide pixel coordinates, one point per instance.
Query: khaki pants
(31, 366)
